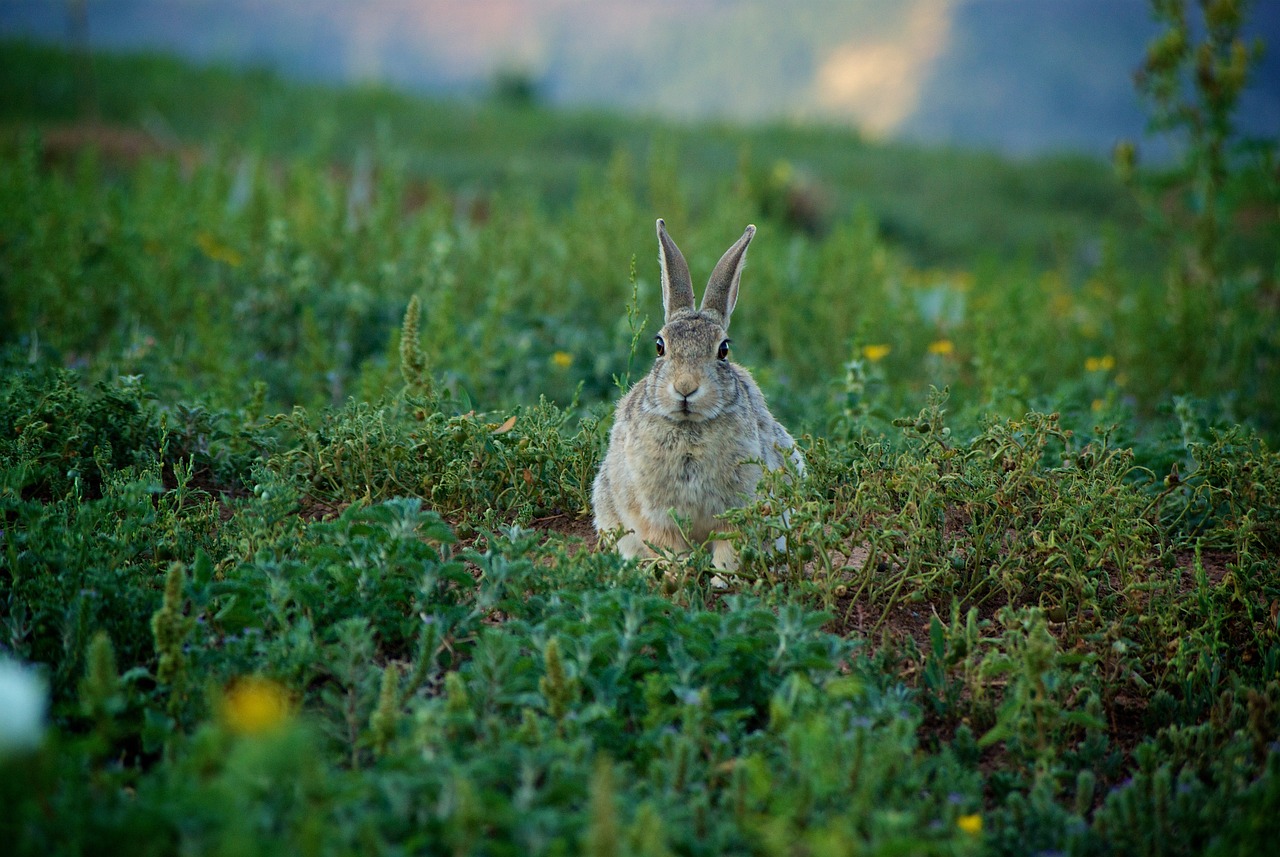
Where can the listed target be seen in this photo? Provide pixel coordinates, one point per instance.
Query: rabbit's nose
(686, 387)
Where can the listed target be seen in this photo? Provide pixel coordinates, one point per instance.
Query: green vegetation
(944, 208)
(303, 392)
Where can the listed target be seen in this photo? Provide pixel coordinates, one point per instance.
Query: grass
(945, 208)
(297, 430)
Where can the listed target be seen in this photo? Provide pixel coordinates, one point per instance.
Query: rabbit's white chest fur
(696, 472)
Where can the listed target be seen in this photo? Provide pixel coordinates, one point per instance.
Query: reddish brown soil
(117, 145)
(123, 147)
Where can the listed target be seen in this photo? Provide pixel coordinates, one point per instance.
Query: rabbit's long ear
(722, 288)
(677, 286)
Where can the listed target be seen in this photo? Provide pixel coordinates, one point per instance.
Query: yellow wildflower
(875, 353)
(941, 347)
(1060, 304)
(1105, 363)
(255, 705)
(1096, 405)
(562, 359)
(970, 824)
(217, 251)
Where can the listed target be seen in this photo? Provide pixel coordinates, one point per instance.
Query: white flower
(24, 696)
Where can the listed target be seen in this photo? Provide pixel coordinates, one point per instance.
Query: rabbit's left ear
(722, 288)
(677, 285)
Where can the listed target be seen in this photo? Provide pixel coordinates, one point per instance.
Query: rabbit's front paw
(723, 556)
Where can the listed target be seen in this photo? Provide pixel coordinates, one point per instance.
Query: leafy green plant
(297, 434)
(1192, 78)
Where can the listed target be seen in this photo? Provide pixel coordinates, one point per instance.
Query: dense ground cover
(303, 392)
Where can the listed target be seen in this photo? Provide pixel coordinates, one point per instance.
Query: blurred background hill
(933, 175)
(1019, 76)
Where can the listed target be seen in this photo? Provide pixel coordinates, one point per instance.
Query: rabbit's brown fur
(690, 437)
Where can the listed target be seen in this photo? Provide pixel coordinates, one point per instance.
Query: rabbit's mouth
(687, 402)
(685, 411)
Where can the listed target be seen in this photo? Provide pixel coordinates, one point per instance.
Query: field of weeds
(303, 392)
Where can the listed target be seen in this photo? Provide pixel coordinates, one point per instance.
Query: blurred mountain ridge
(1020, 76)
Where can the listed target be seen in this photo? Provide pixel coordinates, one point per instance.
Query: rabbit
(691, 436)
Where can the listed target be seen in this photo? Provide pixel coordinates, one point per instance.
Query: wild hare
(690, 438)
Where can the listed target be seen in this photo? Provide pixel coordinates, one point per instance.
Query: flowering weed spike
(602, 819)
(169, 628)
(100, 695)
(455, 693)
(413, 363)
(646, 835)
(386, 714)
(556, 686)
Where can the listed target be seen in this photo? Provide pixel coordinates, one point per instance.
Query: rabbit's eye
(662, 346)
(723, 353)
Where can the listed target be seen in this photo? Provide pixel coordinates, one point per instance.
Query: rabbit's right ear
(722, 288)
(677, 286)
